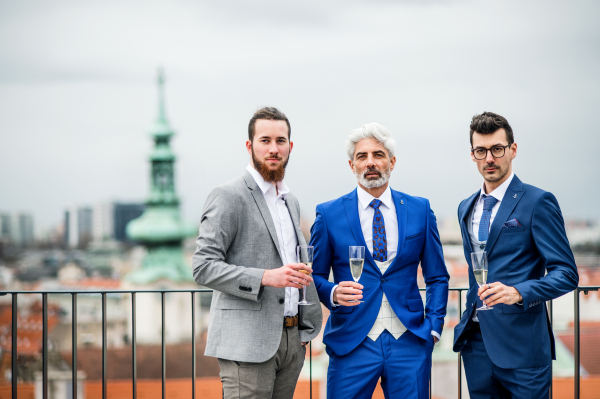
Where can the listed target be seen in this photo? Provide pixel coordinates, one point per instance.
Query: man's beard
(373, 182)
(495, 177)
(268, 174)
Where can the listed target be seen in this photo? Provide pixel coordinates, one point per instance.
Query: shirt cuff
(435, 334)
(333, 305)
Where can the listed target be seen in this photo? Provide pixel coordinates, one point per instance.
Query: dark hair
(269, 113)
(488, 123)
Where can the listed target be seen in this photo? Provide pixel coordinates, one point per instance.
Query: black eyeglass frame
(504, 147)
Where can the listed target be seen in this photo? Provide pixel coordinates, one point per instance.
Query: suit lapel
(351, 208)
(263, 208)
(296, 222)
(401, 214)
(513, 195)
(464, 216)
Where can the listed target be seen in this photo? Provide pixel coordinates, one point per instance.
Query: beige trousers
(274, 379)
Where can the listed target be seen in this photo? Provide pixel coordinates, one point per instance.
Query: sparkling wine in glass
(357, 261)
(480, 270)
(305, 255)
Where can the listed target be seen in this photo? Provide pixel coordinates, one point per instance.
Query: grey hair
(370, 131)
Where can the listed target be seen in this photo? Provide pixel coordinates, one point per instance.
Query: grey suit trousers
(276, 378)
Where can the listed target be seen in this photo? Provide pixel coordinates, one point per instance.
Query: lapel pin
(401, 202)
(515, 196)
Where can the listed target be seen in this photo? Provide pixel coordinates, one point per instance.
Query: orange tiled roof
(29, 328)
(94, 283)
(590, 340)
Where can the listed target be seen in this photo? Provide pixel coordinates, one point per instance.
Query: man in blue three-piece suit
(389, 335)
(507, 351)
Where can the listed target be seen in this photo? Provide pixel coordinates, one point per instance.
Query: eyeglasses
(497, 151)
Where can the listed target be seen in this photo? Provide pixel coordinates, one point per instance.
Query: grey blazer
(237, 241)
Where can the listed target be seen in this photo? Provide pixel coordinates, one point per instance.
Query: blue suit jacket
(337, 226)
(519, 336)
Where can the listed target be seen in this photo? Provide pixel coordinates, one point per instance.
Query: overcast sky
(78, 94)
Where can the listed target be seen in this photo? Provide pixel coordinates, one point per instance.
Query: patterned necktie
(379, 237)
(484, 223)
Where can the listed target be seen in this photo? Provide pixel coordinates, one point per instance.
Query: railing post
(193, 345)
(459, 358)
(74, 342)
(13, 371)
(104, 333)
(133, 347)
(45, 345)
(164, 352)
(576, 339)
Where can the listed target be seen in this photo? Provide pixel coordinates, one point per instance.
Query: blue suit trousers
(403, 364)
(488, 381)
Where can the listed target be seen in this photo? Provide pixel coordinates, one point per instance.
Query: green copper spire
(162, 127)
(160, 229)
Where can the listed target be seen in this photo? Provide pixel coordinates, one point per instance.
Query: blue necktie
(484, 223)
(379, 237)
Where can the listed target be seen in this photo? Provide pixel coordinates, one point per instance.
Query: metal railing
(103, 294)
(193, 293)
(576, 334)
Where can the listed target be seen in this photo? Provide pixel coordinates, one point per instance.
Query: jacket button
(281, 300)
(249, 289)
(241, 288)
(482, 246)
(382, 280)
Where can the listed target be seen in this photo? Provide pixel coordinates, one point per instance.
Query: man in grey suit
(246, 252)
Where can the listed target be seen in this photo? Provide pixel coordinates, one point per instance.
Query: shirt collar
(265, 186)
(365, 198)
(499, 192)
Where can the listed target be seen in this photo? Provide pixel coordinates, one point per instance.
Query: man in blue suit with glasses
(507, 350)
(389, 335)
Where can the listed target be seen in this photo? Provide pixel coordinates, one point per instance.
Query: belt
(290, 321)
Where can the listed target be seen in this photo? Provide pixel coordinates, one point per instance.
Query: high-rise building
(24, 232)
(122, 215)
(103, 221)
(78, 226)
(17, 228)
(5, 226)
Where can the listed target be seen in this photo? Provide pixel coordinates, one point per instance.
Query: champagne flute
(357, 261)
(480, 270)
(305, 255)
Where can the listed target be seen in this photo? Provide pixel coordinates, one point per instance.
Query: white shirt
(286, 233)
(388, 211)
(498, 193)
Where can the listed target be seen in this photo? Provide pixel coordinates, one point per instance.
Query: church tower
(160, 228)
(161, 231)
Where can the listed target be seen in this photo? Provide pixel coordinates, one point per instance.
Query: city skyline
(77, 95)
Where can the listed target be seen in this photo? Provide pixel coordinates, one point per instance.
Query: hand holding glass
(480, 270)
(305, 255)
(357, 260)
